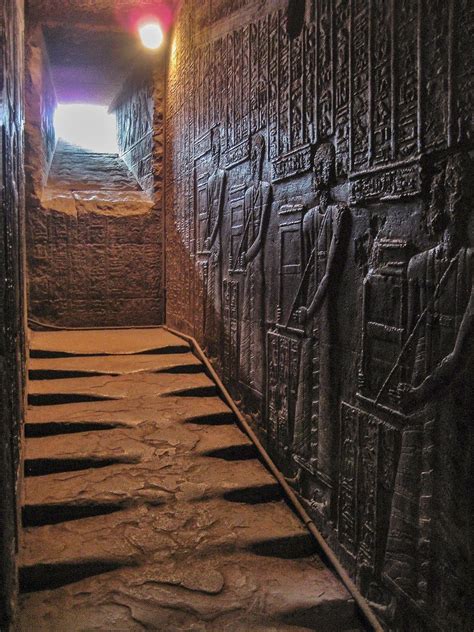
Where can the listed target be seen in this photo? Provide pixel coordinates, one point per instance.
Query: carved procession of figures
(333, 235)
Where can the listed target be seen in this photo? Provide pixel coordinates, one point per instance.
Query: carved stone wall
(319, 244)
(12, 341)
(95, 236)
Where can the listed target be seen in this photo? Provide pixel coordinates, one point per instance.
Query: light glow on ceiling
(151, 35)
(88, 126)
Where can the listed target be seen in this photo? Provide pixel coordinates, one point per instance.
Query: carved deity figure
(429, 538)
(212, 245)
(252, 335)
(315, 431)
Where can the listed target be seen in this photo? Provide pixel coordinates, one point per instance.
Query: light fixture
(151, 35)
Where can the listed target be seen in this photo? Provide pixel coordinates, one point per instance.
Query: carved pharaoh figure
(256, 208)
(315, 431)
(212, 245)
(427, 551)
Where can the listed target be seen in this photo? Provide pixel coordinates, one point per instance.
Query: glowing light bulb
(151, 35)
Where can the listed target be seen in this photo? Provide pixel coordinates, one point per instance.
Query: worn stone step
(131, 386)
(159, 480)
(141, 534)
(164, 411)
(231, 592)
(107, 342)
(114, 365)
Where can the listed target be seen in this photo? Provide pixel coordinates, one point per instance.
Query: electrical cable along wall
(319, 246)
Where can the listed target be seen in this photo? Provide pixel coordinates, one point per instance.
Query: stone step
(106, 342)
(184, 530)
(233, 592)
(159, 480)
(56, 368)
(146, 385)
(163, 411)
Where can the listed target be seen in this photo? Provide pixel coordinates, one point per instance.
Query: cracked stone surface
(151, 510)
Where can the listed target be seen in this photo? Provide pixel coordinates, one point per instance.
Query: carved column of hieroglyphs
(359, 148)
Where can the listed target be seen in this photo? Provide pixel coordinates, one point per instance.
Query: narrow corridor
(146, 508)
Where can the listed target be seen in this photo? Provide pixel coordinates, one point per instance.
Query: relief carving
(215, 197)
(324, 228)
(426, 554)
(354, 367)
(256, 207)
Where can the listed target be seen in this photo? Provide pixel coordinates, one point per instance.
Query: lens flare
(151, 35)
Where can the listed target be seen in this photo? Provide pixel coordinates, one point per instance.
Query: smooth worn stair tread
(101, 342)
(213, 587)
(192, 532)
(116, 442)
(152, 481)
(144, 531)
(160, 410)
(132, 386)
(117, 364)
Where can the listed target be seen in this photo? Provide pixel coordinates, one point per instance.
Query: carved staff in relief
(212, 244)
(257, 203)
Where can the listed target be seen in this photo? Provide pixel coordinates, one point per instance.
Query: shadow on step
(41, 515)
(56, 399)
(218, 419)
(50, 576)
(61, 374)
(43, 467)
(287, 548)
(245, 452)
(255, 495)
(194, 391)
(66, 427)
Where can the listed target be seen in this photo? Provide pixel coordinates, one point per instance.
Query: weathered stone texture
(152, 497)
(11, 293)
(342, 318)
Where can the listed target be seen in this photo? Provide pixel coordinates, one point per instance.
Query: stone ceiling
(90, 66)
(92, 44)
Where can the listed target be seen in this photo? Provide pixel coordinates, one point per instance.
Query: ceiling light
(151, 35)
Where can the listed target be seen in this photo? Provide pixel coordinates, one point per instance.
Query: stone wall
(319, 244)
(12, 343)
(40, 95)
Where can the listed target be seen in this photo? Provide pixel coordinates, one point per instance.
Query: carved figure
(427, 548)
(212, 244)
(315, 430)
(256, 208)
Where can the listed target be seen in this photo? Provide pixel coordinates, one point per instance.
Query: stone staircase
(147, 508)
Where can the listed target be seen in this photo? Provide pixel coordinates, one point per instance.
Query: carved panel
(231, 329)
(365, 111)
(283, 368)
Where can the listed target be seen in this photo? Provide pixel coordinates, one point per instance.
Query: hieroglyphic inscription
(282, 387)
(231, 329)
(436, 81)
(359, 454)
(325, 68)
(387, 184)
(293, 163)
(342, 14)
(381, 83)
(406, 78)
(360, 85)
